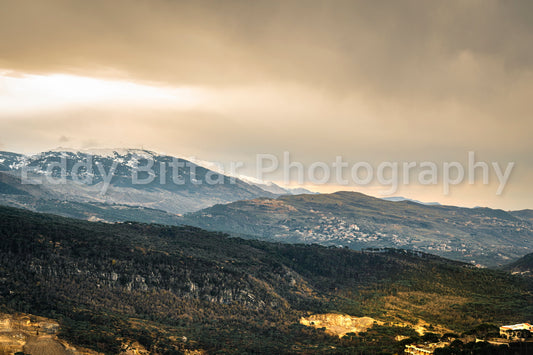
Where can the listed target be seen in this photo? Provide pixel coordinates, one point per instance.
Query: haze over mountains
(253, 209)
(401, 198)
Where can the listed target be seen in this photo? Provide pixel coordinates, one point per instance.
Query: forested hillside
(178, 288)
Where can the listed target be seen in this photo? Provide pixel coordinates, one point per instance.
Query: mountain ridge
(176, 185)
(476, 235)
(482, 236)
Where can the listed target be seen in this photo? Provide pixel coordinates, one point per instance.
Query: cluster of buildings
(330, 228)
(520, 331)
(508, 333)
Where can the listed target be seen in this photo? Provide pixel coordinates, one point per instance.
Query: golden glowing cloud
(25, 94)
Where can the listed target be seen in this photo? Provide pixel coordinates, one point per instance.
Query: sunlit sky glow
(224, 81)
(22, 94)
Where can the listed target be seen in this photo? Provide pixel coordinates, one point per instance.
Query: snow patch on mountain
(107, 153)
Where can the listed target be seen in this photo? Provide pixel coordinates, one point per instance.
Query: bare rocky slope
(30, 334)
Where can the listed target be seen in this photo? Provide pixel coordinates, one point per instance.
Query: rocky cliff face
(34, 335)
(339, 324)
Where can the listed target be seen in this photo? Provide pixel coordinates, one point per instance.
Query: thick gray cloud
(369, 80)
(389, 45)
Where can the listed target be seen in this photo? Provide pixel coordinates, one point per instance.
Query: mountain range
(138, 178)
(254, 209)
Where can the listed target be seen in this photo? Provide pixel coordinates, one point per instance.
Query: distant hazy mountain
(264, 185)
(480, 235)
(400, 198)
(476, 235)
(523, 214)
(171, 184)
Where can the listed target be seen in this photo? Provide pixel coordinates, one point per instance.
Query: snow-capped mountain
(124, 176)
(9, 161)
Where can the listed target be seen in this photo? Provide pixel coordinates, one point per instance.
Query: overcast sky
(223, 81)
